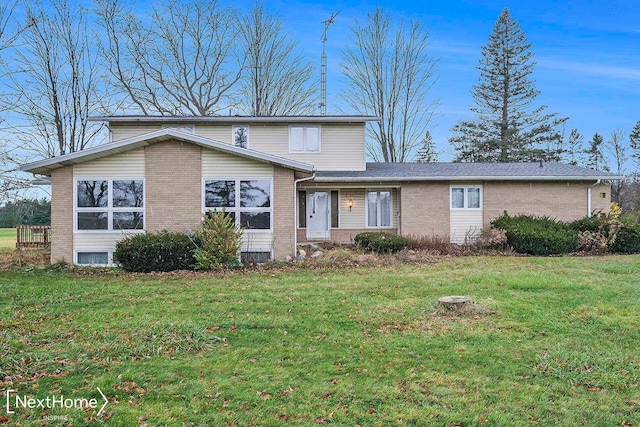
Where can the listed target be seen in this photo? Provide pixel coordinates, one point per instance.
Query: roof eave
(44, 167)
(467, 178)
(236, 119)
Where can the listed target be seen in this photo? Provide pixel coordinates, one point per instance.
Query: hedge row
(547, 236)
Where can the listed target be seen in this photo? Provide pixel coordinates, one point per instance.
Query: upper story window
(109, 204)
(304, 139)
(466, 197)
(248, 202)
(241, 136)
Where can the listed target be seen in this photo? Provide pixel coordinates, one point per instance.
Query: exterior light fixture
(350, 204)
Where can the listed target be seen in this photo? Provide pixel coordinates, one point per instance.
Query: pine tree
(427, 152)
(575, 149)
(595, 155)
(634, 144)
(508, 127)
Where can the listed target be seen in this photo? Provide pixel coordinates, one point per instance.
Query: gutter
(463, 178)
(589, 213)
(296, 214)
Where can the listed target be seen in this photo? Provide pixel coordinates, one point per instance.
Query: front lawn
(320, 346)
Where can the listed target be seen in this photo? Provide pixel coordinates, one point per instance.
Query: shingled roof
(537, 171)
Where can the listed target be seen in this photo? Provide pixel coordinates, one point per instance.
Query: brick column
(173, 185)
(62, 214)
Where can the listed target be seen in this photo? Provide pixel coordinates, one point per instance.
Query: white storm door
(318, 215)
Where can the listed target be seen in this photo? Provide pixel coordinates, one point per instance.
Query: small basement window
(93, 258)
(255, 257)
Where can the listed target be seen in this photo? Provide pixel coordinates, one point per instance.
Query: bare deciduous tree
(182, 62)
(390, 76)
(277, 79)
(53, 88)
(618, 150)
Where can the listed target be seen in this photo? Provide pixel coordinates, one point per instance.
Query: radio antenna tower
(323, 65)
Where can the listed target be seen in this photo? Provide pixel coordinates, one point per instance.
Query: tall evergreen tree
(508, 126)
(427, 153)
(575, 150)
(595, 155)
(634, 144)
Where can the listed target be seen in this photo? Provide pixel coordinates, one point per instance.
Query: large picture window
(379, 209)
(109, 204)
(304, 139)
(248, 202)
(466, 197)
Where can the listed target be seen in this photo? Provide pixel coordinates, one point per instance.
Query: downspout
(589, 197)
(296, 213)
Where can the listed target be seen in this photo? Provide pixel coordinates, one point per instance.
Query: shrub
(380, 242)
(221, 241)
(592, 224)
(537, 235)
(162, 251)
(627, 240)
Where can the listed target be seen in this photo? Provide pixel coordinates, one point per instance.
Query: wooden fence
(33, 236)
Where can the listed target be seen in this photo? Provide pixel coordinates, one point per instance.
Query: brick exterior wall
(424, 209)
(283, 212)
(62, 214)
(561, 200)
(173, 185)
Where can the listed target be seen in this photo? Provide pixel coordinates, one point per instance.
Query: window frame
(304, 141)
(109, 209)
(465, 203)
(378, 210)
(233, 135)
(238, 209)
(109, 252)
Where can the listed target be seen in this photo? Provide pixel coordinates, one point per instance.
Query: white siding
(124, 165)
(252, 242)
(216, 164)
(356, 217)
(103, 240)
(221, 133)
(120, 132)
(465, 224)
(341, 147)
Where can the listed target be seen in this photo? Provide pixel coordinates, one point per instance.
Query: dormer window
(241, 136)
(304, 139)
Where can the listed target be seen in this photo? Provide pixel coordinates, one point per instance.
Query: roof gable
(44, 167)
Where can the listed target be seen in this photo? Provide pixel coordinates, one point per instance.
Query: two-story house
(285, 180)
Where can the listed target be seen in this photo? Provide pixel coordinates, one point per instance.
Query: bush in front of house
(626, 240)
(161, 251)
(221, 242)
(537, 235)
(380, 242)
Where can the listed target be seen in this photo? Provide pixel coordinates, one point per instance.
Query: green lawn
(342, 347)
(7, 239)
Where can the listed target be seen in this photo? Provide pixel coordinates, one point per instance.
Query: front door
(318, 215)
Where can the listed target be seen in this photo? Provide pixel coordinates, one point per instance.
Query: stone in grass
(461, 305)
(317, 254)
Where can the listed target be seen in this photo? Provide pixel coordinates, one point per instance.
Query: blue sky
(588, 53)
